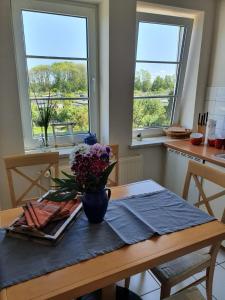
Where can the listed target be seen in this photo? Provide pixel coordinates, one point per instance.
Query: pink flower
(89, 163)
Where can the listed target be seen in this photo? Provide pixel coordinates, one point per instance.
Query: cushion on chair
(188, 294)
(183, 266)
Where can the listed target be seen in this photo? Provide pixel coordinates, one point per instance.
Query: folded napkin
(38, 214)
(66, 208)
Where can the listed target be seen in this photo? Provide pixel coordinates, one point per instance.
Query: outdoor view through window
(56, 50)
(57, 64)
(158, 60)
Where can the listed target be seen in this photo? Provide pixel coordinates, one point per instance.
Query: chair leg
(209, 282)
(165, 291)
(210, 270)
(127, 282)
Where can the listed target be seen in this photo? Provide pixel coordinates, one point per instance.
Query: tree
(137, 82)
(146, 81)
(61, 78)
(69, 111)
(143, 81)
(149, 113)
(40, 80)
(158, 84)
(69, 77)
(169, 82)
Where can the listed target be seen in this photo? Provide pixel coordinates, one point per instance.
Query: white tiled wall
(215, 105)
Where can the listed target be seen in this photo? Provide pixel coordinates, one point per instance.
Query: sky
(65, 36)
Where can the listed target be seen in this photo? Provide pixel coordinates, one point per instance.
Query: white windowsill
(149, 142)
(64, 152)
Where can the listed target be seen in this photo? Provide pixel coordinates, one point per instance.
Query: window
(56, 60)
(161, 58)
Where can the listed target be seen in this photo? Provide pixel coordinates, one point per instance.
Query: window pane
(158, 42)
(54, 35)
(59, 78)
(155, 79)
(152, 112)
(64, 111)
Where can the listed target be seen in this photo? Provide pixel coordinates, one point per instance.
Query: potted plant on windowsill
(41, 86)
(46, 110)
(91, 167)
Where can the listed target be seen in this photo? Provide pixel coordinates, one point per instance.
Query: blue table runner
(127, 221)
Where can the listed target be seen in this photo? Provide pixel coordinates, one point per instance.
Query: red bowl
(219, 143)
(196, 138)
(196, 141)
(211, 142)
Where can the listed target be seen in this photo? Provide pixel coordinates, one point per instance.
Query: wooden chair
(114, 177)
(199, 172)
(176, 271)
(14, 164)
(192, 293)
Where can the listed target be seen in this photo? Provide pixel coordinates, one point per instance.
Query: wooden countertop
(203, 152)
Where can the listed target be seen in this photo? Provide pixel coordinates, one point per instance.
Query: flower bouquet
(91, 167)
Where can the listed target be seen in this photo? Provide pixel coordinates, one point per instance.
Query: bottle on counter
(210, 132)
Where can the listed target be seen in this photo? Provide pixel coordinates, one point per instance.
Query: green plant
(46, 110)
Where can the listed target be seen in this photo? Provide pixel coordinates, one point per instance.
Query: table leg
(109, 292)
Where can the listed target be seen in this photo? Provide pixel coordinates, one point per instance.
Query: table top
(202, 151)
(106, 269)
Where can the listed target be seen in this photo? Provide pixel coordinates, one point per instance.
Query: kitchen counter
(203, 152)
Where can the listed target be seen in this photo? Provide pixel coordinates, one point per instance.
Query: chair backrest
(198, 172)
(114, 177)
(14, 164)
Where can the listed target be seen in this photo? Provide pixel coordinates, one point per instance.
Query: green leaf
(68, 175)
(62, 195)
(64, 182)
(107, 172)
(59, 182)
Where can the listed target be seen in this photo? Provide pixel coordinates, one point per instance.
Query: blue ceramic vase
(90, 139)
(95, 204)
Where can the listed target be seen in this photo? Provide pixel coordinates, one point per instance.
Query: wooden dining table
(104, 270)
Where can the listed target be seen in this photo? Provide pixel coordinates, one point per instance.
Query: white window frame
(62, 8)
(170, 20)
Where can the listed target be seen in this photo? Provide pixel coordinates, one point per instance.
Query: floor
(146, 286)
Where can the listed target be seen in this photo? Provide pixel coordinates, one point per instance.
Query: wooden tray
(178, 135)
(50, 234)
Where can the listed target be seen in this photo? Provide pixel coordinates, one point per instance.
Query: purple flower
(104, 156)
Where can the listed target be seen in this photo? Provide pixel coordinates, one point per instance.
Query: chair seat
(188, 294)
(183, 267)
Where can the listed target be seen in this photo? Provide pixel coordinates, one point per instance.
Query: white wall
(11, 140)
(122, 25)
(104, 70)
(215, 98)
(217, 73)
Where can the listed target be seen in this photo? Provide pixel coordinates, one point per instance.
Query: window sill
(149, 142)
(64, 152)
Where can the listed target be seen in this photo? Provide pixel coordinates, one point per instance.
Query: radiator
(130, 169)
